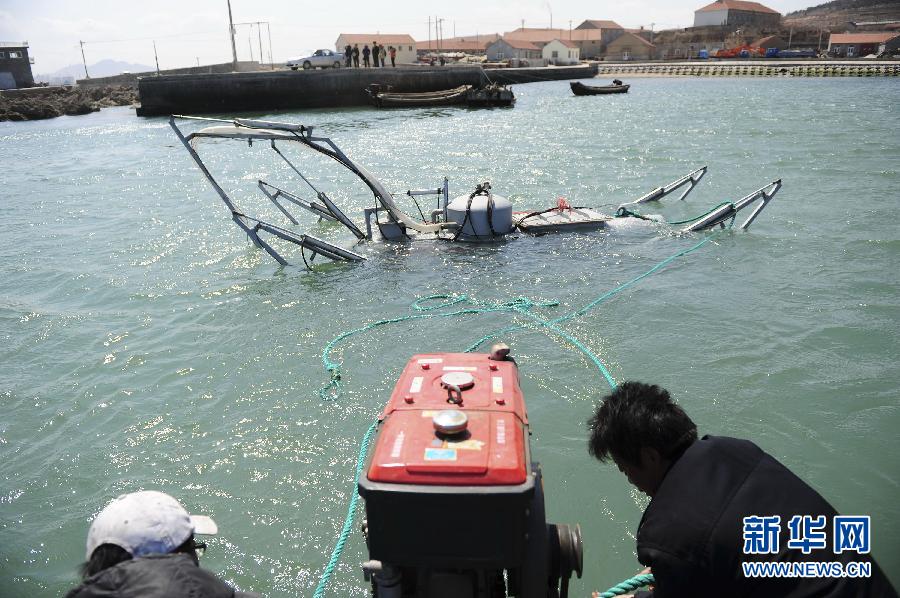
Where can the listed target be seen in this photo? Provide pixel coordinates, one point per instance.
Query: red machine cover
(491, 452)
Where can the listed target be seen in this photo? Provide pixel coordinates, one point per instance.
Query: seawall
(328, 88)
(753, 68)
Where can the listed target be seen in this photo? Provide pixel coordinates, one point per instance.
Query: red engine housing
(491, 452)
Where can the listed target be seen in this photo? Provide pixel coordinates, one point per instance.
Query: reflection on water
(147, 344)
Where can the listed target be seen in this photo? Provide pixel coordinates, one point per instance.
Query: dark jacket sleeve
(675, 577)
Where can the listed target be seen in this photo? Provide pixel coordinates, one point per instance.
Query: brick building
(736, 12)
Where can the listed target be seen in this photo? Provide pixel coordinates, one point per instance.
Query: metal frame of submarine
(480, 216)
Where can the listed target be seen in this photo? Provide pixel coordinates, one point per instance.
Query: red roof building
(852, 45)
(469, 44)
(736, 12)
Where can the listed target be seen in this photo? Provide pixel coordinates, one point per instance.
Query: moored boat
(490, 96)
(580, 89)
(391, 99)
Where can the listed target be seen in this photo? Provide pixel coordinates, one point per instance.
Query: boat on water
(477, 217)
(383, 97)
(492, 95)
(580, 89)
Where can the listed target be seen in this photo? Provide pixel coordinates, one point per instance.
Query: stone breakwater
(328, 88)
(752, 69)
(48, 102)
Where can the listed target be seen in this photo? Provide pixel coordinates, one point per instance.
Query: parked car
(319, 58)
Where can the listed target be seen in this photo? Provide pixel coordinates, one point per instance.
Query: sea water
(147, 344)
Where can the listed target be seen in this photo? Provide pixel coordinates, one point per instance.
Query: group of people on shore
(374, 56)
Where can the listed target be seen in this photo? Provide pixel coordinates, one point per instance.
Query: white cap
(146, 522)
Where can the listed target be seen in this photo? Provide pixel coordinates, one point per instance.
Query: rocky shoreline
(49, 102)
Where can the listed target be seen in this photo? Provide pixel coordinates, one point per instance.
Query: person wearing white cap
(142, 544)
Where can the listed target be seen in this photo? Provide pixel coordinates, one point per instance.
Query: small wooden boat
(580, 89)
(391, 99)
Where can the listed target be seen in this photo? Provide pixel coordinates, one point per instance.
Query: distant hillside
(104, 68)
(838, 14)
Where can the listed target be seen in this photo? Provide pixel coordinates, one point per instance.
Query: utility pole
(570, 29)
(86, 76)
(231, 31)
(429, 33)
(271, 62)
(790, 38)
(156, 56)
(259, 34)
(551, 16)
(652, 25)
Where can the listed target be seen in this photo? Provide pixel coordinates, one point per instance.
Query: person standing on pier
(348, 55)
(366, 53)
(382, 53)
(376, 52)
(393, 52)
(356, 55)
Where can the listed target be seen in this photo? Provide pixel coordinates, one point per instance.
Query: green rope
(517, 305)
(351, 514)
(624, 212)
(626, 586)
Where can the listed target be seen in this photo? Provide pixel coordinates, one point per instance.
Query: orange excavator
(741, 52)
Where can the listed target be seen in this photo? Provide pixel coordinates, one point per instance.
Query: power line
(150, 38)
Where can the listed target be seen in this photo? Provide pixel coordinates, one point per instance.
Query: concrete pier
(753, 68)
(287, 90)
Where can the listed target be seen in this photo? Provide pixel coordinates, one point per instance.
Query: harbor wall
(131, 79)
(752, 68)
(327, 88)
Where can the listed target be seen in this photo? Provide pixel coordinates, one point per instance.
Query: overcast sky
(189, 31)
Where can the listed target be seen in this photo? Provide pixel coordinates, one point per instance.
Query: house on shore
(561, 52)
(591, 36)
(514, 50)
(405, 44)
(609, 30)
(475, 45)
(15, 66)
(630, 46)
(736, 12)
(855, 45)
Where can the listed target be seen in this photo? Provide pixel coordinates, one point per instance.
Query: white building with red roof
(736, 12)
(560, 52)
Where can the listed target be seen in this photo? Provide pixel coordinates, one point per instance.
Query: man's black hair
(110, 555)
(639, 415)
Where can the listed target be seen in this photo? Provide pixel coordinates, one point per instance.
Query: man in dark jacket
(721, 509)
(142, 545)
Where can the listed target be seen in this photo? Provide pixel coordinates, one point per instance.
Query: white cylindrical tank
(476, 225)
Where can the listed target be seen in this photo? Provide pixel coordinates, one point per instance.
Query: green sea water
(147, 344)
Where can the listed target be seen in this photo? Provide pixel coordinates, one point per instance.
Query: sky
(188, 32)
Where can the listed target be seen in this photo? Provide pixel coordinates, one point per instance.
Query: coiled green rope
(520, 305)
